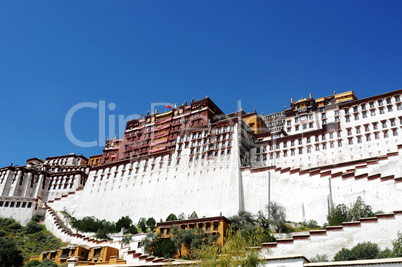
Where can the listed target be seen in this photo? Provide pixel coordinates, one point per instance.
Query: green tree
(262, 221)
(278, 216)
(361, 210)
(123, 222)
(339, 215)
(132, 229)
(33, 227)
(171, 217)
(181, 216)
(193, 215)
(10, 255)
(151, 223)
(242, 221)
(33, 263)
(142, 225)
(126, 239)
(397, 246)
(319, 258)
(362, 251)
(233, 253)
(48, 263)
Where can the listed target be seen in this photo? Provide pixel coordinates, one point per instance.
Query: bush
(48, 263)
(142, 225)
(319, 258)
(123, 222)
(342, 214)
(15, 226)
(33, 227)
(33, 263)
(171, 217)
(362, 251)
(132, 230)
(126, 239)
(397, 246)
(151, 223)
(278, 216)
(10, 255)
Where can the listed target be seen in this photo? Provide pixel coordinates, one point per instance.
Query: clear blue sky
(57, 54)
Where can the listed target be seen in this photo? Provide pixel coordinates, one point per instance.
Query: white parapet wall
(381, 230)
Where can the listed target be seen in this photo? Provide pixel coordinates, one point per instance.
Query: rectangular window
(368, 138)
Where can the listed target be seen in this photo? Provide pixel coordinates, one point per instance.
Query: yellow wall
(255, 122)
(221, 230)
(108, 255)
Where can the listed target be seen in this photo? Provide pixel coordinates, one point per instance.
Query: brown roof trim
(67, 156)
(199, 220)
(368, 99)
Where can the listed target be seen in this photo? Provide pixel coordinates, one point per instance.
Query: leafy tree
(102, 233)
(33, 263)
(126, 239)
(158, 246)
(181, 216)
(339, 215)
(48, 263)
(171, 217)
(362, 251)
(386, 253)
(123, 222)
(242, 221)
(361, 210)
(319, 258)
(262, 221)
(151, 223)
(397, 246)
(10, 255)
(233, 253)
(342, 214)
(278, 216)
(132, 230)
(193, 215)
(142, 225)
(33, 227)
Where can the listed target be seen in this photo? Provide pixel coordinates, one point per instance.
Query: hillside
(31, 239)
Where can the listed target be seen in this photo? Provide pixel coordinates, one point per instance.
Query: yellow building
(84, 256)
(95, 160)
(255, 122)
(211, 226)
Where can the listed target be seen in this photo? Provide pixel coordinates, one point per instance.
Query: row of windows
(332, 144)
(13, 204)
(373, 113)
(373, 104)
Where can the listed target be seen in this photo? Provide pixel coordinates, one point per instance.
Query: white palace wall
(208, 187)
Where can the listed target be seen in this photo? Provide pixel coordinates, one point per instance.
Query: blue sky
(57, 54)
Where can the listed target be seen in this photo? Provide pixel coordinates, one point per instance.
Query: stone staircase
(53, 225)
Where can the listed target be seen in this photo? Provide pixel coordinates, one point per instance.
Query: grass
(30, 243)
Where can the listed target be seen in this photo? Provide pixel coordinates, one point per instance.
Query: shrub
(33, 263)
(33, 227)
(397, 246)
(10, 255)
(132, 230)
(151, 223)
(319, 258)
(15, 226)
(362, 251)
(171, 217)
(126, 239)
(142, 225)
